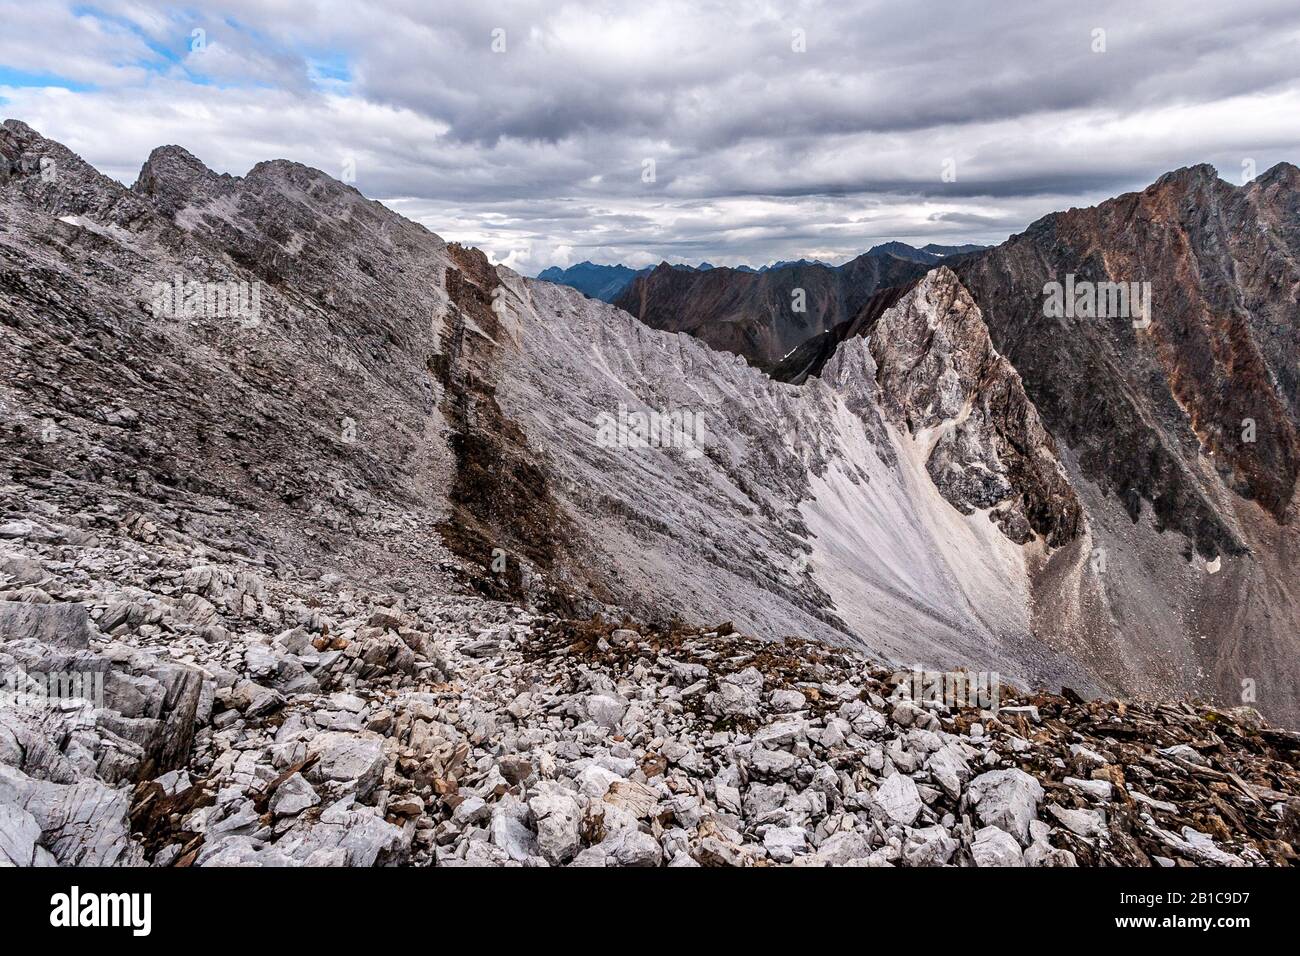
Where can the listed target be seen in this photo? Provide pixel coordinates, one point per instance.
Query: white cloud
(760, 152)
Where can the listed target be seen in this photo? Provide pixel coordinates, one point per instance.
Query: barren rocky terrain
(352, 579)
(261, 717)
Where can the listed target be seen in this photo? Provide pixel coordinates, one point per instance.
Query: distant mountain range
(589, 278)
(607, 282)
(764, 315)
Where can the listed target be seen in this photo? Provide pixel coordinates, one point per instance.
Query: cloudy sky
(775, 130)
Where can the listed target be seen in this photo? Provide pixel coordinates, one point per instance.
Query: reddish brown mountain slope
(1155, 423)
(1155, 413)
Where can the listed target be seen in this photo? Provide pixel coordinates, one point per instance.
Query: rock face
(271, 412)
(1222, 262)
(1184, 498)
(807, 360)
(942, 380)
(764, 315)
(1180, 435)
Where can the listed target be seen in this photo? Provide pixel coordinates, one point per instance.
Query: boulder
(292, 797)
(1007, 799)
(348, 759)
(994, 846)
(63, 625)
(898, 799)
(559, 819)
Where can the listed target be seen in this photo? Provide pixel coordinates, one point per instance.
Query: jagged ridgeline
(330, 504)
(960, 476)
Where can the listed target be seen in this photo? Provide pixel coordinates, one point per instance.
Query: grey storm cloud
(775, 130)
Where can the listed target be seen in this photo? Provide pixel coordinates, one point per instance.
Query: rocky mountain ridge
(337, 560)
(607, 282)
(1185, 419)
(763, 316)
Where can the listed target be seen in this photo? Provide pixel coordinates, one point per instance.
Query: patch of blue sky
(11, 76)
(189, 32)
(326, 69)
(165, 55)
(329, 71)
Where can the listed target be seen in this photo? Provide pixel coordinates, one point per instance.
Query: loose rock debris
(253, 716)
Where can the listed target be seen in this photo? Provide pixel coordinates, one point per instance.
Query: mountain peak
(173, 177)
(902, 250)
(19, 127)
(940, 375)
(592, 279)
(175, 158)
(22, 149)
(291, 171)
(57, 180)
(1199, 174)
(1279, 173)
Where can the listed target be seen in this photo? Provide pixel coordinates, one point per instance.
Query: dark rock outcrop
(807, 360)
